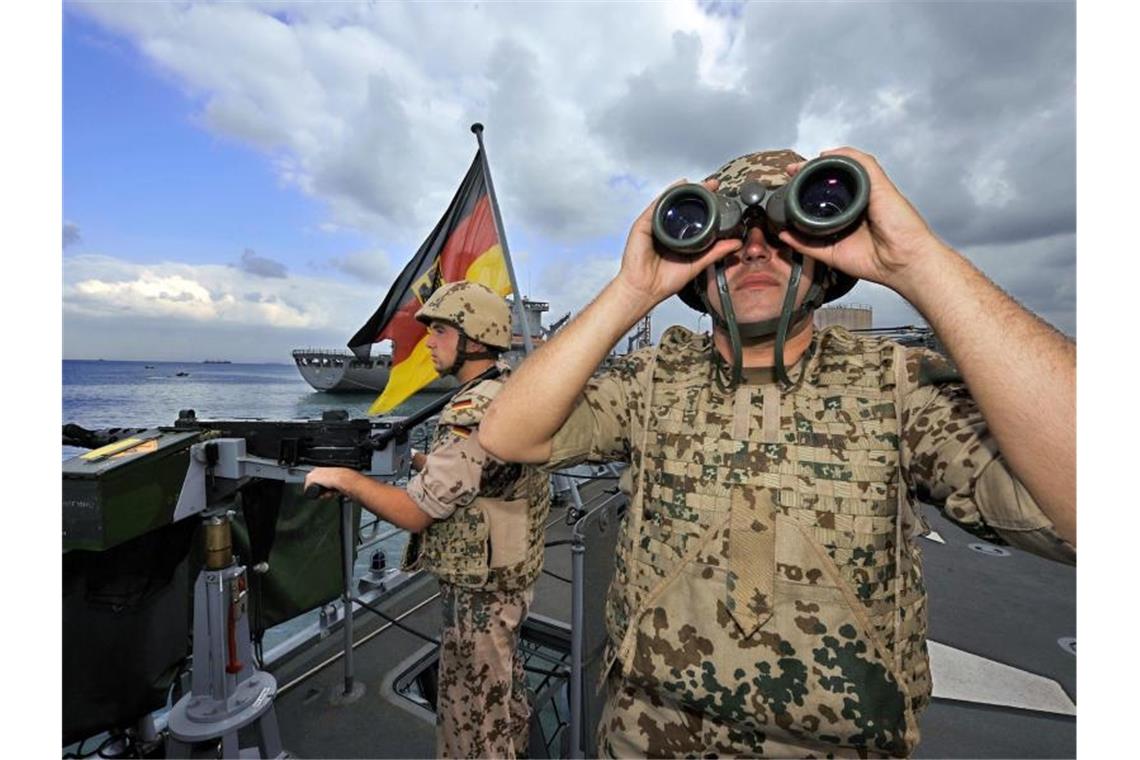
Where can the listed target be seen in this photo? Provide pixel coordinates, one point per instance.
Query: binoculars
(825, 199)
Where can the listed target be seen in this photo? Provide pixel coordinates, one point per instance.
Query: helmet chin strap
(779, 326)
(462, 355)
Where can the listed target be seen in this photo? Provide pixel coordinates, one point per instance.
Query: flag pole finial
(476, 127)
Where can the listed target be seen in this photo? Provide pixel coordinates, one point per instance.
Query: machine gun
(127, 525)
(140, 485)
(143, 479)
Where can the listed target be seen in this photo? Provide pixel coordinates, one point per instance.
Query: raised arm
(1019, 370)
(540, 395)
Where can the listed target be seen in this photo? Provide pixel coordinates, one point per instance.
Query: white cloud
(101, 286)
(367, 266)
(592, 108)
(574, 282)
(367, 106)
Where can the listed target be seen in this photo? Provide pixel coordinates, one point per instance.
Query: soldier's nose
(756, 247)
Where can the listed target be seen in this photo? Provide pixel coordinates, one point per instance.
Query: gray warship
(335, 370)
(299, 636)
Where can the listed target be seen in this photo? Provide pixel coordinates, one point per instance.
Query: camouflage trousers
(636, 722)
(482, 709)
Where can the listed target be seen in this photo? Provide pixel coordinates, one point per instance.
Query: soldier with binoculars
(767, 594)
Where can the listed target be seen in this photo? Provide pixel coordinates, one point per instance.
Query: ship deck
(1005, 676)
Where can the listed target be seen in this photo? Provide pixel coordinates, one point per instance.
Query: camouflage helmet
(473, 309)
(769, 168)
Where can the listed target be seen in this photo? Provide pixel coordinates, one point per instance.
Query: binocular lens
(686, 217)
(827, 194)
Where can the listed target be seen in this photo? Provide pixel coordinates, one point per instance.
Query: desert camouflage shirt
(490, 515)
(767, 573)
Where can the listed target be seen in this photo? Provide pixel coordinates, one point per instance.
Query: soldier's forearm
(539, 396)
(385, 501)
(1020, 371)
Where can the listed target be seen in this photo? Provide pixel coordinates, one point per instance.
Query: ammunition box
(126, 489)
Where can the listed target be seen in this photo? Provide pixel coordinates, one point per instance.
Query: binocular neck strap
(779, 326)
(786, 316)
(729, 322)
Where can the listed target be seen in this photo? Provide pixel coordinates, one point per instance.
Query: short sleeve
(950, 459)
(599, 428)
(451, 474)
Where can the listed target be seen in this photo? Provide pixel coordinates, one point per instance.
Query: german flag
(463, 246)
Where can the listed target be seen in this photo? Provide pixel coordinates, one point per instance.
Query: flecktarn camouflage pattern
(768, 594)
(487, 554)
(482, 709)
(496, 540)
(472, 308)
(768, 167)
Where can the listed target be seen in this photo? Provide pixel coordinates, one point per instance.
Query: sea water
(102, 394)
(106, 394)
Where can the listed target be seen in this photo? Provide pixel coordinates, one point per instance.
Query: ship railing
(327, 357)
(569, 651)
(323, 352)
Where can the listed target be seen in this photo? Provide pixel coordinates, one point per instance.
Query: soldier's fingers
(719, 250)
(814, 248)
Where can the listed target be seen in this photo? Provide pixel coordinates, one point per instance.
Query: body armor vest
(764, 576)
(496, 541)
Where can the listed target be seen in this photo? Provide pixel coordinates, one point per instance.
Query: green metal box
(125, 489)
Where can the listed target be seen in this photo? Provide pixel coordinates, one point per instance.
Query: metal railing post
(346, 549)
(577, 621)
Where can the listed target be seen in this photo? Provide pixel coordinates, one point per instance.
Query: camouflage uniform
(768, 596)
(486, 549)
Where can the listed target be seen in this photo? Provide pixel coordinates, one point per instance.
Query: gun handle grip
(315, 491)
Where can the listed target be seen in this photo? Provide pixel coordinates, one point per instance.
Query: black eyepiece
(828, 196)
(686, 218)
(829, 193)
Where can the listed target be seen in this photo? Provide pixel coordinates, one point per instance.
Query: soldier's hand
(323, 482)
(886, 245)
(650, 274)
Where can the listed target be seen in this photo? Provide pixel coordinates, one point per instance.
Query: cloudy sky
(243, 179)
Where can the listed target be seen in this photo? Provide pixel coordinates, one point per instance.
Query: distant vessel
(217, 361)
(182, 374)
(341, 371)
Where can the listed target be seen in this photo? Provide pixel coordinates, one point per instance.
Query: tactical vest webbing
(496, 541)
(763, 576)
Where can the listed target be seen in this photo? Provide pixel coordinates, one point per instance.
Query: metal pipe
(346, 551)
(381, 538)
(322, 665)
(577, 555)
(329, 661)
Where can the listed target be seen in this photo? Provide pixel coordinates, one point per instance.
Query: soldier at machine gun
(477, 524)
(767, 596)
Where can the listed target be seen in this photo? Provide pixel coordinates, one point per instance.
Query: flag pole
(528, 346)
